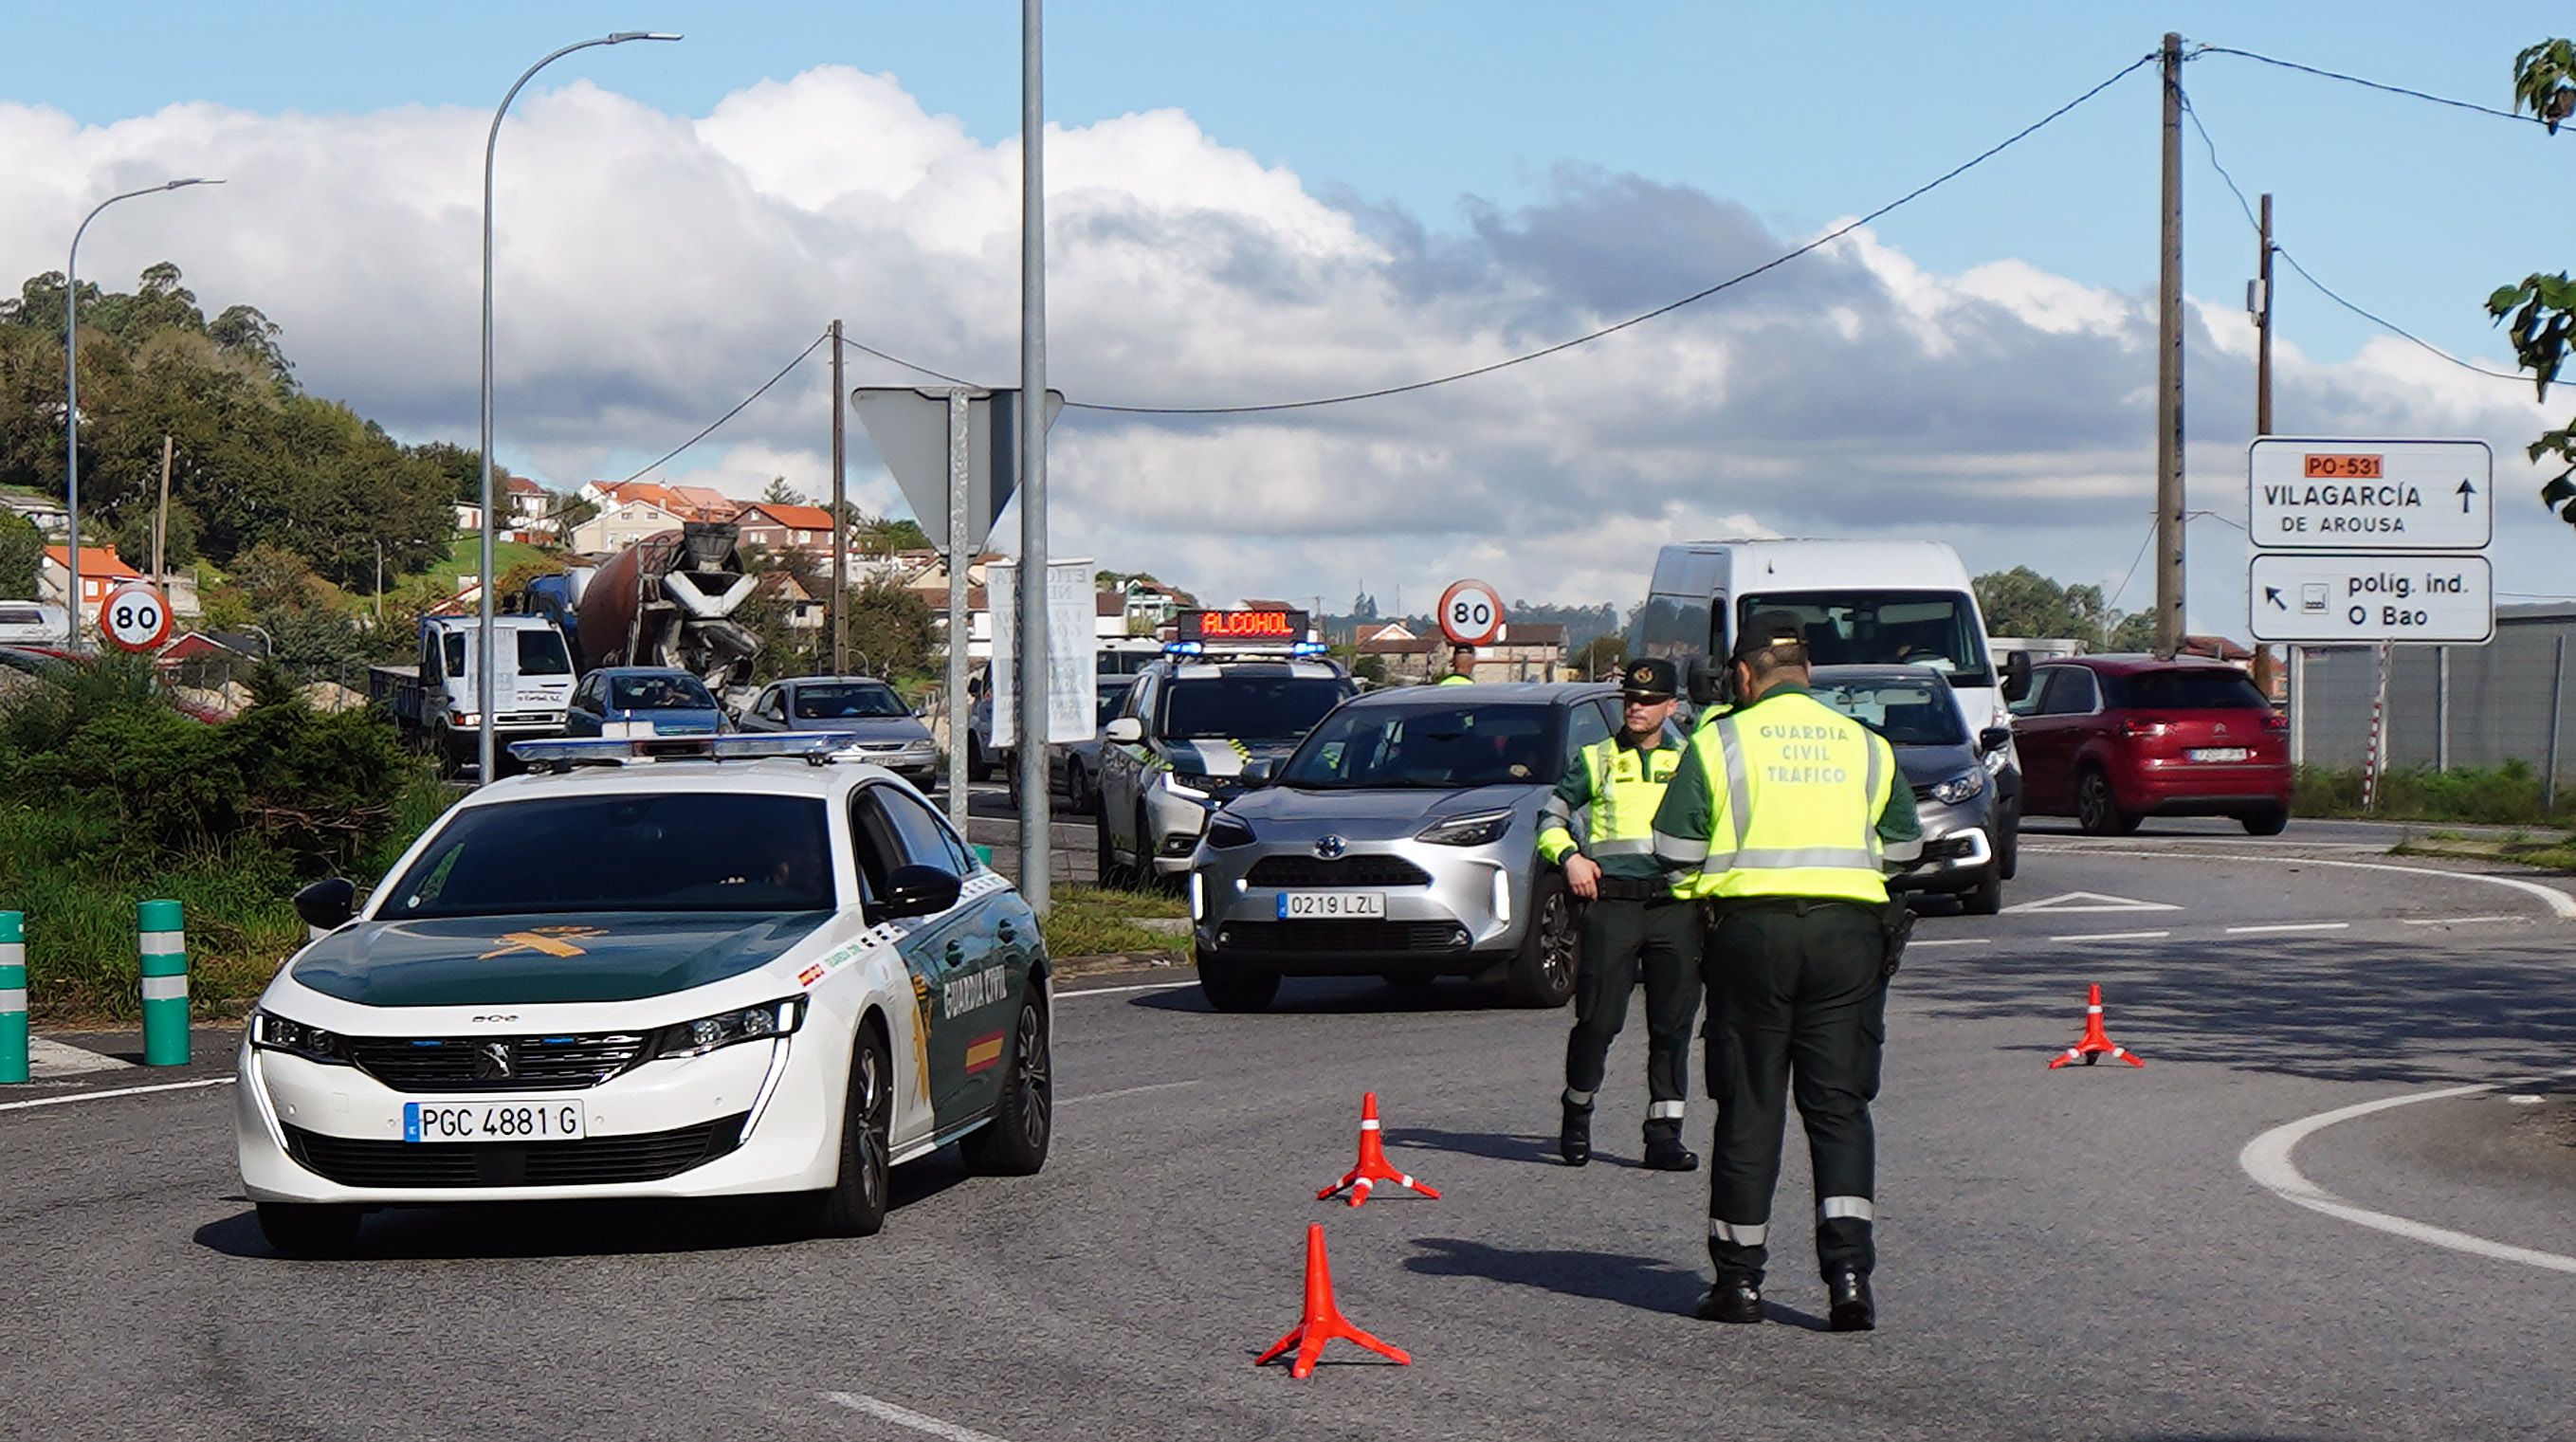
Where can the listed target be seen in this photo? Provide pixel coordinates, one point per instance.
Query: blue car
(642, 700)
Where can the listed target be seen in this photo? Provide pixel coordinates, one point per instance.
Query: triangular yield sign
(2075, 901)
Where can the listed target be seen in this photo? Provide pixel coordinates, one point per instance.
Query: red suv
(2109, 740)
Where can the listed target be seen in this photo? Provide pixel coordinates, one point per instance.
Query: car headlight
(1960, 787)
(1226, 831)
(1474, 829)
(276, 1033)
(1173, 783)
(752, 1023)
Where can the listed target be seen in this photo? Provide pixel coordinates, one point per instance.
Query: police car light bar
(817, 747)
(1201, 650)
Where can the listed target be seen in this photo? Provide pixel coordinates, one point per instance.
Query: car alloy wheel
(1014, 1143)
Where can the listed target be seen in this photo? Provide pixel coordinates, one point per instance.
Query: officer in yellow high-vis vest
(1462, 666)
(1631, 918)
(1783, 816)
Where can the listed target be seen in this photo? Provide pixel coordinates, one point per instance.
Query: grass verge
(1101, 921)
(2550, 854)
(2506, 795)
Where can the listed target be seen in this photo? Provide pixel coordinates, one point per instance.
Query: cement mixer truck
(664, 601)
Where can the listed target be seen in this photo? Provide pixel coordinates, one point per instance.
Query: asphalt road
(2068, 1253)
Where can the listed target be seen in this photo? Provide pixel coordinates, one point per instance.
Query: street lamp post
(71, 403)
(484, 651)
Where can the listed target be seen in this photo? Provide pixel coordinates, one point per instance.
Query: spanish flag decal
(983, 1052)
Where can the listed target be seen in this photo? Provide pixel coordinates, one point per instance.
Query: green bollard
(13, 997)
(165, 984)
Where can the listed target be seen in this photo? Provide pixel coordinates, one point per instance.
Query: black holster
(1896, 925)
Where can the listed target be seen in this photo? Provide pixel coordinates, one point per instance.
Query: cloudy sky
(1251, 206)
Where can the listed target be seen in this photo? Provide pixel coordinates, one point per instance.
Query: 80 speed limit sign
(1471, 613)
(135, 617)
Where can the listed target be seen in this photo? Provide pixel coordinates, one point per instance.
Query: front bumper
(1958, 845)
(1173, 825)
(1469, 911)
(757, 1117)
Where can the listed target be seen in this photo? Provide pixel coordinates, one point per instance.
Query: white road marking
(221, 1081)
(1116, 990)
(2560, 903)
(2454, 920)
(1126, 1092)
(885, 1411)
(2116, 936)
(2075, 901)
(2266, 1159)
(2282, 926)
(1952, 941)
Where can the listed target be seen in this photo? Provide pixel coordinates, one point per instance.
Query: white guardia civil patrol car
(705, 968)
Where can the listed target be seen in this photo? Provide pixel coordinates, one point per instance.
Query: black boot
(1851, 1308)
(1665, 1153)
(1574, 1139)
(1731, 1299)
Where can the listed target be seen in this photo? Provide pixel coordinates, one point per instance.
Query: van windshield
(1938, 629)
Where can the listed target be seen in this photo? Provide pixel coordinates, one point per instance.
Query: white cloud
(654, 267)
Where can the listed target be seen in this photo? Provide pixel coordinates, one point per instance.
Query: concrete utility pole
(1032, 758)
(2262, 309)
(2169, 491)
(840, 523)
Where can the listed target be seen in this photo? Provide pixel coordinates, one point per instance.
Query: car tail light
(2276, 722)
(2137, 726)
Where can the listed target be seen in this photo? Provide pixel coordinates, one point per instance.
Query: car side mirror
(1708, 682)
(1994, 738)
(918, 891)
(2016, 676)
(327, 905)
(1257, 774)
(1125, 731)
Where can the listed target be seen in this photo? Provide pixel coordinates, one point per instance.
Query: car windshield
(1113, 694)
(1938, 629)
(1907, 712)
(689, 851)
(1248, 706)
(848, 700)
(1438, 747)
(2197, 689)
(659, 693)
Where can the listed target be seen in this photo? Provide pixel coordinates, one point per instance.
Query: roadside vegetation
(110, 797)
(1092, 921)
(2506, 795)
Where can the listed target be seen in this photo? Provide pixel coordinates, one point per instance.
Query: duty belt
(1635, 888)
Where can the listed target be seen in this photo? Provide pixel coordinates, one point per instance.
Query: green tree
(1599, 654)
(2539, 311)
(2135, 632)
(895, 629)
(21, 547)
(2022, 602)
(780, 493)
(130, 530)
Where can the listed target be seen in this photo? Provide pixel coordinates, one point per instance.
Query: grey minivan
(1399, 840)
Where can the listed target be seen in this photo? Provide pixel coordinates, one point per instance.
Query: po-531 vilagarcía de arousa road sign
(2370, 495)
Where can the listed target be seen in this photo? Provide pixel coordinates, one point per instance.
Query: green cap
(13, 926)
(158, 916)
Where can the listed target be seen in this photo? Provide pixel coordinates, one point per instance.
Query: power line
(2114, 603)
(2370, 84)
(1693, 298)
(910, 365)
(738, 407)
(2283, 251)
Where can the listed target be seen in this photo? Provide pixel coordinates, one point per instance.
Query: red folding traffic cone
(1323, 1320)
(2096, 1041)
(1372, 1169)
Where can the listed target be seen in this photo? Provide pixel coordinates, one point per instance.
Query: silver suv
(1176, 750)
(1400, 841)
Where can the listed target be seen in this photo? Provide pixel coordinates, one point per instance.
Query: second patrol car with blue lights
(707, 967)
(1235, 687)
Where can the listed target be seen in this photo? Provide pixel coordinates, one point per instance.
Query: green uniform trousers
(1621, 938)
(1797, 988)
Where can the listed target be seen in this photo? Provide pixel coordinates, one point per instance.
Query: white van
(31, 623)
(1884, 603)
